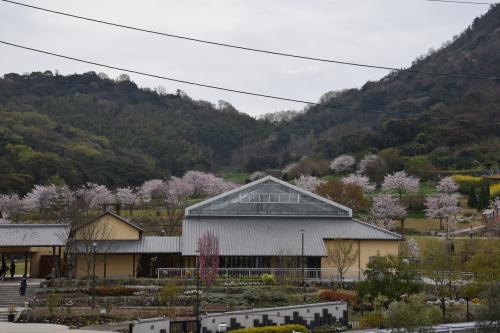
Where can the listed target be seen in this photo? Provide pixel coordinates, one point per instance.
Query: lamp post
(198, 323)
(303, 265)
(94, 250)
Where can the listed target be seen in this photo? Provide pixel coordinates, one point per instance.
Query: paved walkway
(41, 328)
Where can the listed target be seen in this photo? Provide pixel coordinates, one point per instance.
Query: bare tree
(90, 239)
(342, 256)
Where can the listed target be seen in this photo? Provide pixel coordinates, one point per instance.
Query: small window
(213, 321)
(308, 310)
(246, 316)
(278, 314)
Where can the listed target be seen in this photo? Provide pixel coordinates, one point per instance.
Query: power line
(243, 92)
(245, 48)
(464, 2)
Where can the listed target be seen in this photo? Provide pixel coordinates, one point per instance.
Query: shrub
(371, 320)
(169, 294)
(268, 279)
(52, 301)
(114, 291)
(273, 329)
(495, 190)
(332, 296)
(465, 182)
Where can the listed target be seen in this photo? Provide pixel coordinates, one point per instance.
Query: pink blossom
(41, 197)
(11, 206)
(343, 163)
(441, 205)
(152, 189)
(308, 183)
(360, 180)
(127, 196)
(206, 184)
(385, 209)
(208, 245)
(367, 162)
(400, 183)
(447, 185)
(94, 195)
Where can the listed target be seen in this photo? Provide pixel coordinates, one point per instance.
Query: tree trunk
(403, 227)
(443, 308)
(441, 223)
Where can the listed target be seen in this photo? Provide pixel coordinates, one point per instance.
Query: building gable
(108, 226)
(268, 196)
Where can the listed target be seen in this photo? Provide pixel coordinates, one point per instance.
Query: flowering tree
(208, 245)
(129, 197)
(62, 204)
(257, 175)
(206, 184)
(176, 192)
(94, 195)
(343, 163)
(400, 183)
(447, 185)
(373, 167)
(349, 195)
(152, 190)
(385, 210)
(308, 183)
(41, 198)
(441, 206)
(360, 180)
(11, 207)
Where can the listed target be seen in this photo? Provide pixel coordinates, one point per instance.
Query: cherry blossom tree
(441, 206)
(360, 180)
(94, 195)
(41, 198)
(447, 185)
(257, 175)
(308, 183)
(11, 207)
(208, 245)
(206, 184)
(129, 197)
(343, 163)
(177, 191)
(152, 190)
(62, 204)
(400, 183)
(386, 209)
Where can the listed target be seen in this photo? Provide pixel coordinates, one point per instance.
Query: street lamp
(303, 265)
(94, 250)
(198, 323)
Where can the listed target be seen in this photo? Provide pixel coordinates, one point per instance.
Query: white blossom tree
(447, 185)
(93, 195)
(11, 207)
(41, 198)
(308, 183)
(206, 184)
(176, 194)
(128, 196)
(400, 183)
(385, 210)
(152, 190)
(360, 180)
(366, 162)
(343, 163)
(441, 206)
(62, 204)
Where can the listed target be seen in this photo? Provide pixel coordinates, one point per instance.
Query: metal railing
(319, 274)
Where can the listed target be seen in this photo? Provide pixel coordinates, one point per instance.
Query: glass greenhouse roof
(268, 197)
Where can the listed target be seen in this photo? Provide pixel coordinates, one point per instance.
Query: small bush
(333, 296)
(273, 329)
(268, 279)
(104, 291)
(371, 320)
(52, 302)
(495, 190)
(465, 182)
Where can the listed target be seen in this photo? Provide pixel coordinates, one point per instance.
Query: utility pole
(303, 266)
(94, 249)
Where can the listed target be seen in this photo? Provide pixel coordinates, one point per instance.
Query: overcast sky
(383, 32)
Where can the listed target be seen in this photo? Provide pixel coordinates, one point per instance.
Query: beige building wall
(109, 265)
(108, 227)
(366, 248)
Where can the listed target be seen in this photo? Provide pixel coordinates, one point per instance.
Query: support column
(359, 259)
(26, 263)
(105, 262)
(54, 261)
(59, 261)
(133, 265)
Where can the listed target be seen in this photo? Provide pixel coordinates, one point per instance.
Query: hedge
(494, 190)
(273, 329)
(333, 296)
(465, 182)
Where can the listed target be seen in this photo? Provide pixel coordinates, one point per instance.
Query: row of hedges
(335, 296)
(273, 329)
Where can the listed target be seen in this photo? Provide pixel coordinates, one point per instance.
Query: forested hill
(90, 128)
(327, 133)
(87, 127)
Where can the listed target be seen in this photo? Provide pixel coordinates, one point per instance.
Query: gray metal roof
(33, 234)
(147, 244)
(267, 236)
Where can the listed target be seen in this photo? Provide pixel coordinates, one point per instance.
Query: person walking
(3, 271)
(12, 269)
(24, 285)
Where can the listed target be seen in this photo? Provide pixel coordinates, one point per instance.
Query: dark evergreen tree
(484, 199)
(472, 197)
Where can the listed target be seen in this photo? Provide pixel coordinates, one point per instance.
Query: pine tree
(484, 199)
(472, 197)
